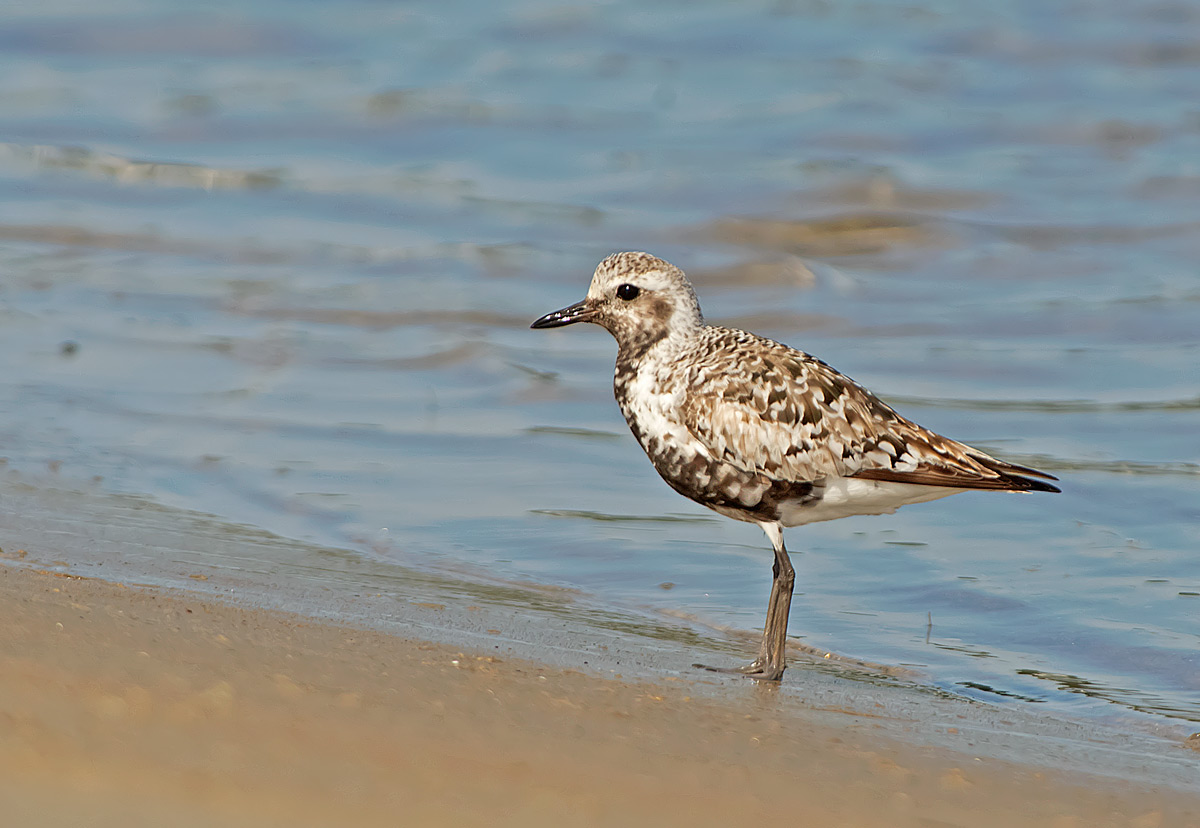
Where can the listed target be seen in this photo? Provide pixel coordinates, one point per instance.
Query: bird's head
(638, 298)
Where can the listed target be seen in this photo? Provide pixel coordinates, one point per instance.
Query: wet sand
(124, 705)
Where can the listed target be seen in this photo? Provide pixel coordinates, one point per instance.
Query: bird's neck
(635, 351)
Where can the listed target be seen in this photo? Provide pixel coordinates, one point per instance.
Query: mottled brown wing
(786, 414)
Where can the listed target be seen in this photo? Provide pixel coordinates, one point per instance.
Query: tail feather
(1006, 477)
(1020, 476)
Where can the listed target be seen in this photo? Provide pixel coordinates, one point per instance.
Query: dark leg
(770, 664)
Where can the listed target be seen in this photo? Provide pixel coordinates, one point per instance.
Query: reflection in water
(983, 688)
(1125, 696)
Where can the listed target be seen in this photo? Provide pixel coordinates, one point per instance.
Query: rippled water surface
(277, 262)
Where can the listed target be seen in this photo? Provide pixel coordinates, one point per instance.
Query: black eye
(628, 292)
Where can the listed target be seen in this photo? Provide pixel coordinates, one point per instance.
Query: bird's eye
(628, 292)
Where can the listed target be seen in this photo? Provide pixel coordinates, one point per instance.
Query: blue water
(277, 263)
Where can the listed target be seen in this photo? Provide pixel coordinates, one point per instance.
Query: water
(277, 264)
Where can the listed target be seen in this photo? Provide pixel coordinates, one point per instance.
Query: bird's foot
(758, 669)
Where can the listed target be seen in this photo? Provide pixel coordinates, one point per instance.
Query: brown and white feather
(760, 431)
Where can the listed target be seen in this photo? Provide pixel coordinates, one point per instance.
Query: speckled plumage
(759, 431)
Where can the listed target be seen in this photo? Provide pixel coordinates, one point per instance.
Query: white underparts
(845, 496)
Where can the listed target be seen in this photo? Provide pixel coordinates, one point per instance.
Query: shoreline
(131, 705)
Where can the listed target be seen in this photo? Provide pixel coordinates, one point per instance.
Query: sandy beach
(123, 705)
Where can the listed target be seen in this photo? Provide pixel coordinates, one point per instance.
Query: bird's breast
(652, 406)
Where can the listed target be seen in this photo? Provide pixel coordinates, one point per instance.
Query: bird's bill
(579, 312)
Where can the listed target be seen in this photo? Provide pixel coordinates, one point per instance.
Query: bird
(761, 432)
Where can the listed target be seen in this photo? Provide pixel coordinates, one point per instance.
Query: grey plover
(761, 432)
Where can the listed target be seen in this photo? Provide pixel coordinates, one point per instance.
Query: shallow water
(278, 266)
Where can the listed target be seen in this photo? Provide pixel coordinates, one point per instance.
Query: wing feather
(783, 413)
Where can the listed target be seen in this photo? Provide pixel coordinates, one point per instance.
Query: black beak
(579, 312)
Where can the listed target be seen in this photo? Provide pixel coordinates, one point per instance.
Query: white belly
(847, 496)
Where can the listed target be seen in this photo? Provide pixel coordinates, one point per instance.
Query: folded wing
(789, 416)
